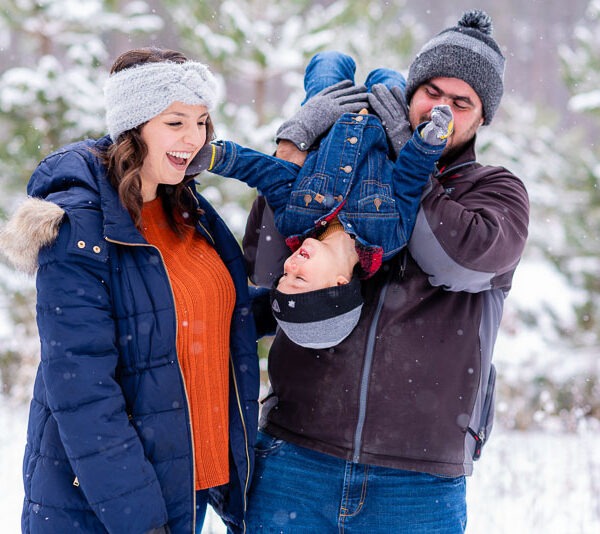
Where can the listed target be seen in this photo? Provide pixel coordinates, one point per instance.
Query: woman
(144, 403)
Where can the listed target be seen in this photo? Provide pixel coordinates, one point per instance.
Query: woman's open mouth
(179, 159)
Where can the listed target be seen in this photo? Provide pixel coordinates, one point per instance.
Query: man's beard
(451, 152)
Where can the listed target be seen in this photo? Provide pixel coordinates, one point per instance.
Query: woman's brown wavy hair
(125, 157)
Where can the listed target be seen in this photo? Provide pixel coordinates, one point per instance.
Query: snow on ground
(525, 482)
(536, 483)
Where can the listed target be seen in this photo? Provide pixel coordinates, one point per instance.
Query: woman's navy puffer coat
(109, 445)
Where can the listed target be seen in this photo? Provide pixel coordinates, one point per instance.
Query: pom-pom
(478, 20)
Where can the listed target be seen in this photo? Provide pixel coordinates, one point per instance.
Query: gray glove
(319, 113)
(440, 127)
(390, 107)
(207, 157)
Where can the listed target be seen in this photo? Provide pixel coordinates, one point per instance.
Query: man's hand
(390, 107)
(319, 113)
(289, 152)
(440, 127)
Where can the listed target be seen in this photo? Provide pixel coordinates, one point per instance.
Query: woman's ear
(342, 280)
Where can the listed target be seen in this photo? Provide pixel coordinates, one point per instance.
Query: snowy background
(540, 472)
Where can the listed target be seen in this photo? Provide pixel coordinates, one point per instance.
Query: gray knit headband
(134, 96)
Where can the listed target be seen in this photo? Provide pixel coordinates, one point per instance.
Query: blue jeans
(297, 490)
(327, 68)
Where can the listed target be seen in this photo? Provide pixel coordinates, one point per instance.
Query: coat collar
(446, 167)
(118, 225)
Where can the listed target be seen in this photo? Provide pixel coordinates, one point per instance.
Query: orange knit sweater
(204, 299)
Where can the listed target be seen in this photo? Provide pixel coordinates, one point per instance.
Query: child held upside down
(350, 206)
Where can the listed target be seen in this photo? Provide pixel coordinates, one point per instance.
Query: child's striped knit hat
(318, 319)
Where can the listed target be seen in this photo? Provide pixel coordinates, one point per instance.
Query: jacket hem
(436, 468)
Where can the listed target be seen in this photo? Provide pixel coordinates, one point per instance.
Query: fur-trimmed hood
(63, 180)
(33, 226)
(69, 183)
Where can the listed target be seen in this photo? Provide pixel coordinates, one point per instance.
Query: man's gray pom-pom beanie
(135, 95)
(468, 52)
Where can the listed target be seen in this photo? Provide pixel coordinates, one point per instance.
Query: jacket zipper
(364, 383)
(187, 400)
(237, 394)
(239, 403)
(481, 436)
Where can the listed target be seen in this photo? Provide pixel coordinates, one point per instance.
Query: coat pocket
(486, 421)
(267, 445)
(376, 198)
(312, 193)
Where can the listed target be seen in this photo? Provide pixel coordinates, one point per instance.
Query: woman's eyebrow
(182, 114)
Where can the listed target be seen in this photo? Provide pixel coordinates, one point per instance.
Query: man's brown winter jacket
(412, 386)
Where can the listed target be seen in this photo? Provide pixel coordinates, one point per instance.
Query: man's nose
(445, 99)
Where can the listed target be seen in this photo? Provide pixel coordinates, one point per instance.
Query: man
(378, 433)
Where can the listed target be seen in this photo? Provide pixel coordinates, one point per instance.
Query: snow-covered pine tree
(555, 314)
(51, 88)
(581, 64)
(54, 60)
(581, 260)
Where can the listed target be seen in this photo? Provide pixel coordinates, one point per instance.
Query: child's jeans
(328, 68)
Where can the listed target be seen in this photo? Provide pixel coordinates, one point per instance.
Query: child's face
(313, 266)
